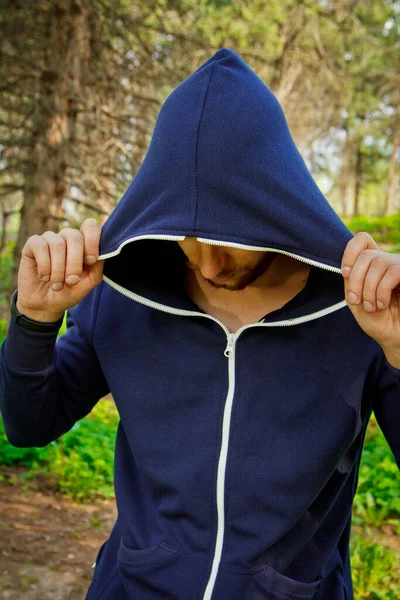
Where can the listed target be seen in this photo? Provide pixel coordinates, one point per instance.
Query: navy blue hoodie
(237, 454)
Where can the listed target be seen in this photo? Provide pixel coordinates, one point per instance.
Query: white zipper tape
(172, 238)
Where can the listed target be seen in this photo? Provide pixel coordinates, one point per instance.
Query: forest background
(81, 84)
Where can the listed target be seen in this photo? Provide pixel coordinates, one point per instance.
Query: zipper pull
(228, 350)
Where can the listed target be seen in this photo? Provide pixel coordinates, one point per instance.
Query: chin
(233, 286)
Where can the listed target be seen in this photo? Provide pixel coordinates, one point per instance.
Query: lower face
(240, 269)
(243, 276)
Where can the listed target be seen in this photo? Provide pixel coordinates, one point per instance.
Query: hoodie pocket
(268, 580)
(160, 572)
(263, 583)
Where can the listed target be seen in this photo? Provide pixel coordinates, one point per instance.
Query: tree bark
(357, 184)
(345, 173)
(54, 124)
(393, 176)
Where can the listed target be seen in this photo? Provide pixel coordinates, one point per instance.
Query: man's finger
(91, 230)
(388, 283)
(355, 283)
(361, 241)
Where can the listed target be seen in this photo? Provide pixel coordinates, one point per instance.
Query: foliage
(63, 327)
(27, 457)
(377, 500)
(83, 460)
(332, 65)
(373, 570)
(6, 266)
(3, 329)
(384, 229)
(80, 463)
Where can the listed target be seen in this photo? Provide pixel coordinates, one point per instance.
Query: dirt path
(48, 543)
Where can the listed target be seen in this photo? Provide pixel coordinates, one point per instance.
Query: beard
(242, 276)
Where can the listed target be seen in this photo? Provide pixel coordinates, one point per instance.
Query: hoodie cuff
(26, 350)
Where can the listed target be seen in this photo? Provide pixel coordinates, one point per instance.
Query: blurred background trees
(82, 82)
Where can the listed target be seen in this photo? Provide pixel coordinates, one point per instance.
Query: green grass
(377, 500)
(80, 463)
(375, 570)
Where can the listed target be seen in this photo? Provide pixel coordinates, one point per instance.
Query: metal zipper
(192, 313)
(222, 461)
(262, 248)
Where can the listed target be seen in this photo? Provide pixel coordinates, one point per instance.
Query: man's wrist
(39, 316)
(37, 321)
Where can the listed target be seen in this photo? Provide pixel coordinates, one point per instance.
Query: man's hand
(372, 292)
(57, 270)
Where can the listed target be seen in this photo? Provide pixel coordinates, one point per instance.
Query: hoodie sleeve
(386, 405)
(46, 385)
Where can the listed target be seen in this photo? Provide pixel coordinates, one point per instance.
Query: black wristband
(30, 324)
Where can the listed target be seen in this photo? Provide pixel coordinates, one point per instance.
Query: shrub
(80, 463)
(384, 229)
(373, 569)
(377, 499)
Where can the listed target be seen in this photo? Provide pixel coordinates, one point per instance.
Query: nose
(210, 260)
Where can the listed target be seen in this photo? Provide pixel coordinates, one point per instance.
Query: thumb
(97, 270)
(94, 273)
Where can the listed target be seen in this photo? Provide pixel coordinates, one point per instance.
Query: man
(219, 317)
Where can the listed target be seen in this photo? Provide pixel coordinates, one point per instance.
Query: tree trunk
(393, 177)
(3, 230)
(54, 125)
(357, 185)
(345, 173)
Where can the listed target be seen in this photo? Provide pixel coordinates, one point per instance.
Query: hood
(221, 166)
